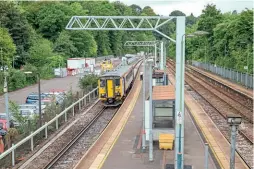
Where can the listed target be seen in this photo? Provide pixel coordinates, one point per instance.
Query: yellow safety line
(123, 125)
(116, 133)
(208, 137)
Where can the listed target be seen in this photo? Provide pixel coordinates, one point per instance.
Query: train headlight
(103, 95)
(118, 94)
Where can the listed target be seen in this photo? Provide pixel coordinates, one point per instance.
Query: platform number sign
(179, 118)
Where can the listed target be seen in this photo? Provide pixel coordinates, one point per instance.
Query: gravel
(54, 148)
(243, 146)
(75, 153)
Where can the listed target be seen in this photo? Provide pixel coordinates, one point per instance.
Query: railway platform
(219, 146)
(124, 150)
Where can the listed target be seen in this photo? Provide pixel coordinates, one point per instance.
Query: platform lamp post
(234, 121)
(39, 93)
(150, 63)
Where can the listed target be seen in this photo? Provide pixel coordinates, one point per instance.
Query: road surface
(19, 96)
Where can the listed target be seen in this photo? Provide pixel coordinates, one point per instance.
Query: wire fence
(235, 76)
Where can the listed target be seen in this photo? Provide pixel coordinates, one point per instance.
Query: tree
(7, 47)
(52, 19)
(14, 20)
(177, 13)
(85, 44)
(39, 52)
(64, 46)
(88, 80)
(191, 20)
(209, 18)
(136, 10)
(56, 61)
(148, 11)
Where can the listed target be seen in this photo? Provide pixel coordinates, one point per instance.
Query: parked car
(3, 124)
(34, 97)
(30, 113)
(57, 97)
(32, 106)
(3, 121)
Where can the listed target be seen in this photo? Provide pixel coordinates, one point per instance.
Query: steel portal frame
(141, 43)
(125, 23)
(153, 23)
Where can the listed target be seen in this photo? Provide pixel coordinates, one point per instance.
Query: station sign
(179, 118)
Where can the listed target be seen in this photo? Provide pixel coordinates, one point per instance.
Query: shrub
(88, 81)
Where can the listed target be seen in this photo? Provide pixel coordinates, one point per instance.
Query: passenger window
(117, 82)
(102, 83)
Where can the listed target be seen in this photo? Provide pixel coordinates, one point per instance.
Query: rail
(45, 126)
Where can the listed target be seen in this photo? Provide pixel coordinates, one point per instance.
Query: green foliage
(7, 47)
(25, 124)
(64, 46)
(17, 80)
(148, 11)
(56, 61)
(209, 18)
(39, 52)
(52, 19)
(88, 80)
(177, 13)
(15, 21)
(85, 44)
(229, 42)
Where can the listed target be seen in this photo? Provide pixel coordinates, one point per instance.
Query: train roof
(119, 70)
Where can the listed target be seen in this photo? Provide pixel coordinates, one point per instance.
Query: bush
(88, 81)
(16, 80)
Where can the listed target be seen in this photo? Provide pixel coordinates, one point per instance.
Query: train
(115, 84)
(106, 65)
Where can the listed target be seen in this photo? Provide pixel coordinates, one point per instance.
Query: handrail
(5, 153)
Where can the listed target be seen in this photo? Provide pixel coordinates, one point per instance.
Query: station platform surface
(218, 144)
(240, 88)
(125, 152)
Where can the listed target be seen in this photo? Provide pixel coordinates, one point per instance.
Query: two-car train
(115, 84)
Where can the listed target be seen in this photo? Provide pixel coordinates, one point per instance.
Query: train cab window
(102, 83)
(117, 82)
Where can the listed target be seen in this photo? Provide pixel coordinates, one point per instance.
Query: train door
(110, 88)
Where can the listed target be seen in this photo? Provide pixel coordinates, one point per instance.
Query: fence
(81, 102)
(242, 78)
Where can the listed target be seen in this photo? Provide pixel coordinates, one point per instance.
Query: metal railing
(81, 102)
(238, 77)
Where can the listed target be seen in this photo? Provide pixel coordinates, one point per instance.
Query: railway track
(75, 148)
(245, 103)
(217, 105)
